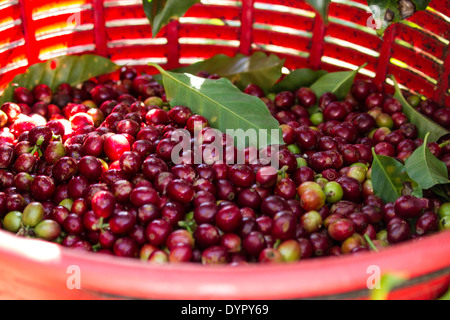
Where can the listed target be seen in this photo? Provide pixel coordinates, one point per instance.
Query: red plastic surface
(416, 52)
(37, 269)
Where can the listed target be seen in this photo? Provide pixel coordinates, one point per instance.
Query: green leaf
(259, 69)
(161, 12)
(223, 104)
(390, 179)
(425, 168)
(442, 190)
(338, 83)
(388, 282)
(424, 124)
(421, 4)
(321, 6)
(445, 296)
(297, 79)
(65, 69)
(387, 12)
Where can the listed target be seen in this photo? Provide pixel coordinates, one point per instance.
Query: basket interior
(415, 50)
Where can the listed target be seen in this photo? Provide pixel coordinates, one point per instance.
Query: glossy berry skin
(273, 204)
(228, 218)
(334, 111)
(311, 221)
(6, 156)
(122, 222)
(306, 97)
(427, 223)
(180, 115)
(43, 93)
(290, 250)
(391, 105)
(398, 232)
(23, 95)
(266, 176)
(180, 190)
(205, 212)
(180, 237)
(408, 207)
(360, 90)
(306, 138)
(130, 162)
(284, 225)
(157, 232)
(254, 90)
(270, 255)
(48, 230)
(90, 167)
(249, 198)
(42, 188)
(241, 175)
(40, 135)
(125, 247)
(180, 253)
(73, 224)
(214, 255)
(284, 100)
(115, 145)
(351, 187)
(142, 195)
(206, 235)
(428, 108)
(286, 188)
(341, 229)
(253, 243)
(156, 116)
(102, 204)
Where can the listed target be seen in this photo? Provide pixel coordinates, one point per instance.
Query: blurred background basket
(416, 51)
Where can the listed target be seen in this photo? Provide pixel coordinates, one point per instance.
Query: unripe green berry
(33, 214)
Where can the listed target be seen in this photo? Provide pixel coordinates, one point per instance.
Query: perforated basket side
(415, 50)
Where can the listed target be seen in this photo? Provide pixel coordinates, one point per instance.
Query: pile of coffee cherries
(94, 167)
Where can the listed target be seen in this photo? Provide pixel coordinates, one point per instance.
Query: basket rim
(106, 275)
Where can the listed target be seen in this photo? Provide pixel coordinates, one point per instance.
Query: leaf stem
(371, 245)
(445, 143)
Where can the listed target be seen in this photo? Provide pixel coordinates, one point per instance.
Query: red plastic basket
(415, 51)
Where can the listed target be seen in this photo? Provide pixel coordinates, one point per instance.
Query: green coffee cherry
(333, 192)
(33, 214)
(321, 181)
(444, 210)
(154, 101)
(294, 148)
(12, 221)
(48, 230)
(271, 96)
(301, 162)
(316, 118)
(359, 164)
(67, 203)
(444, 223)
(290, 250)
(358, 173)
(382, 235)
(413, 100)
